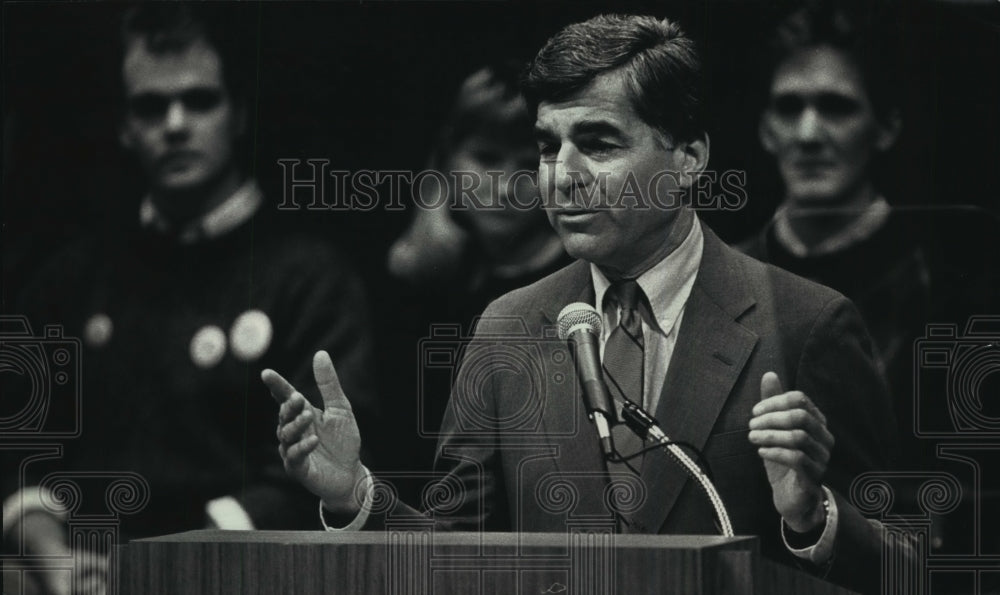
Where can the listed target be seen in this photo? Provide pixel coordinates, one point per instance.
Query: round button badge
(251, 335)
(208, 345)
(97, 330)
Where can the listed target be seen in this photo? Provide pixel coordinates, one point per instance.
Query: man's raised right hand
(320, 447)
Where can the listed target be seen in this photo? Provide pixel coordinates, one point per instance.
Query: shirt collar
(230, 214)
(668, 283)
(870, 220)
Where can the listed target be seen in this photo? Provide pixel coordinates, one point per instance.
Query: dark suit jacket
(519, 454)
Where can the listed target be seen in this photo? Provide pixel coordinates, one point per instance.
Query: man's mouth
(813, 164)
(178, 160)
(576, 216)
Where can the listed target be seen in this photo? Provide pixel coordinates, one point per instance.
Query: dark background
(366, 85)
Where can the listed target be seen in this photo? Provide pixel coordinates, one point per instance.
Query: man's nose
(809, 126)
(177, 117)
(570, 171)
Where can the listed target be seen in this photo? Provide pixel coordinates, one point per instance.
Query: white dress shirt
(667, 286)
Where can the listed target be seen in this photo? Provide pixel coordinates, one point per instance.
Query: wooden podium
(418, 562)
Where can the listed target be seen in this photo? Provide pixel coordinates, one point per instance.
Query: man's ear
(125, 137)
(888, 130)
(765, 134)
(242, 112)
(692, 158)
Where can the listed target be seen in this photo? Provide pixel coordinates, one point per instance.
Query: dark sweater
(921, 267)
(199, 432)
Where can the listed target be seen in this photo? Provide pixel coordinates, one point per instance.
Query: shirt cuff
(821, 552)
(228, 514)
(366, 507)
(26, 500)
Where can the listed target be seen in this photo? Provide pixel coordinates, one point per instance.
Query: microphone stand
(647, 428)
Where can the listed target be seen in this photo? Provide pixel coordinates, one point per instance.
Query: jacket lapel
(710, 352)
(564, 422)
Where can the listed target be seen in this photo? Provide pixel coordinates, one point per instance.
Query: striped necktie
(623, 365)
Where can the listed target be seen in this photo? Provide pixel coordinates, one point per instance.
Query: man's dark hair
(172, 27)
(659, 64)
(861, 36)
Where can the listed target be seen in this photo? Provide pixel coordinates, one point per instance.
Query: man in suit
(694, 331)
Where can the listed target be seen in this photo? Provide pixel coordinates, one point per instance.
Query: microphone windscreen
(576, 316)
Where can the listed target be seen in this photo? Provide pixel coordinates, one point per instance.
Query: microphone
(580, 324)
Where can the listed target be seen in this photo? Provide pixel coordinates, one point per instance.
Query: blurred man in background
(831, 116)
(179, 313)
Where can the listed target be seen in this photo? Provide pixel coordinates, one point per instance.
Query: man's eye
(597, 146)
(787, 106)
(547, 151)
(154, 106)
(835, 105)
(148, 106)
(201, 100)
